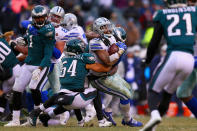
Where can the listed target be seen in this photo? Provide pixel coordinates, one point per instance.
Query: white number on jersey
(4, 51)
(175, 22)
(31, 42)
(71, 69)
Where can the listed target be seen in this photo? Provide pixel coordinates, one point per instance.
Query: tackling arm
(98, 67)
(104, 57)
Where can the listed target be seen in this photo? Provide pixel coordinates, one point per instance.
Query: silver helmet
(56, 15)
(70, 20)
(101, 24)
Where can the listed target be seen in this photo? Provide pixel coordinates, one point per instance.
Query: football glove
(36, 74)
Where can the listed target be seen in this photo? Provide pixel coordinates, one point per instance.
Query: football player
(178, 25)
(184, 92)
(37, 62)
(72, 95)
(110, 82)
(9, 69)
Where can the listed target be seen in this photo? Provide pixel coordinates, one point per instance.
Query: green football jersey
(7, 56)
(179, 25)
(40, 46)
(73, 70)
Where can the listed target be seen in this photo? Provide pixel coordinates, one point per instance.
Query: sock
(153, 100)
(16, 115)
(192, 105)
(125, 109)
(59, 110)
(3, 102)
(42, 107)
(78, 114)
(17, 100)
(163, 107)
(98, 106)
(50, 102)
(36, 95)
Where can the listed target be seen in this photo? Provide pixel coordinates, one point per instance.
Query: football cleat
(132, 123)
(108, 116)
(64, 117)
(151, 124)
(104, 123)
(81, 123)
(44, 118)
(33, 116)
(12, 123)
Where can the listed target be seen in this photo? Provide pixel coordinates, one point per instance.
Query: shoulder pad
(157, 15)
(96, 44)
(47, 31)
(88, 58)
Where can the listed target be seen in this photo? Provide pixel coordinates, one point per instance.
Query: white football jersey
(60, 32)
(98, 44)
(76, 32)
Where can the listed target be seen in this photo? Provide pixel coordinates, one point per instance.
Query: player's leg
(79, 117)
(53, 78)
(21, 82)
(164, 72)
(6, 88)
(36, 84)
(168, 78)
(184, 92)
(115, 85)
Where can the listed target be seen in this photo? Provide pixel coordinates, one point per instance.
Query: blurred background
(135, 16)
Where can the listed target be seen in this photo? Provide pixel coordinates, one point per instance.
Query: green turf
(168, 124)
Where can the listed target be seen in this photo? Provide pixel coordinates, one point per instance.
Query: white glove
(20, 41)
(36, 74)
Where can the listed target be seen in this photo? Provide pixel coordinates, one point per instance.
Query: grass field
(168, 124)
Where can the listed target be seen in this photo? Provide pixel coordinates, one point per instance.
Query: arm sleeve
(97, 67)
(154, 44)
(48, 51)
(95, 45)
(56, 53)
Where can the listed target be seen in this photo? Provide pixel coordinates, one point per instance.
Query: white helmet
(56, 15)
(98, 25)
(70, 20)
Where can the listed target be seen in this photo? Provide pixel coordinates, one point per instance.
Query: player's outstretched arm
(155, 41)
(97, 67)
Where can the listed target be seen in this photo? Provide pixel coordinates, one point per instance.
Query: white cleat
(12, 124)
(26, 124)
(151, 124)
(104, 123)
(89, 117)
(64, 117)
(81, 123)
(90, 113)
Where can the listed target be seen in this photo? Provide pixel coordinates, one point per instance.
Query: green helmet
(176, 3)
(39, 16)
(120, 34)
(76, 46)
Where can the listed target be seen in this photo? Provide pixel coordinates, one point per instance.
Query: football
(113, 49)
